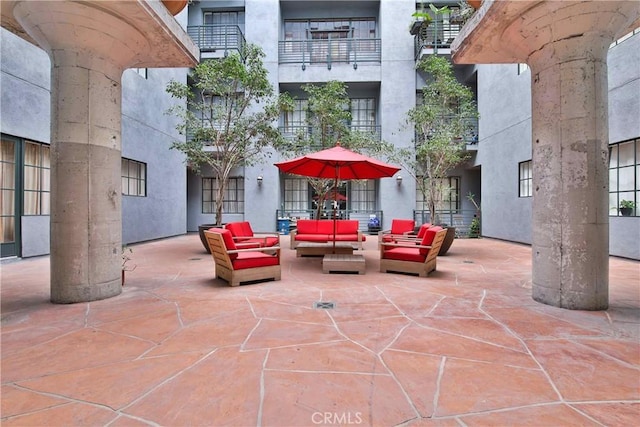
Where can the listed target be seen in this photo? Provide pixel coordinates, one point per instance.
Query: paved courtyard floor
(465, 346)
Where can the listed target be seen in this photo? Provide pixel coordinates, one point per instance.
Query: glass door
(9, 225)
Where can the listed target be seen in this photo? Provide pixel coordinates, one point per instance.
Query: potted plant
(626, 207)
(421, 20)
(126, 251)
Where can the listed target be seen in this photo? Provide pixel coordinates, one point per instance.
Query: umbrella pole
(335, 206)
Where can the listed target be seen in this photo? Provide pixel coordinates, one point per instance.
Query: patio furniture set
(242, 255)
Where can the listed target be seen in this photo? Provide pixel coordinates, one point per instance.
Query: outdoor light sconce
(399, 180)
(259, 180)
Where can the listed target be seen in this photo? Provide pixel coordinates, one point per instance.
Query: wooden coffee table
(343, 263)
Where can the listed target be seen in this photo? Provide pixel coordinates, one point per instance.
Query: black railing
(346, 51)
(467, 222)
(287, 218)
(212, 38)
(293, 132)
(436, 36)
(469, 131)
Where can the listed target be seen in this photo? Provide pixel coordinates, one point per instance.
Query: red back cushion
(428, 238)
(325, 226)
(228, 240)
(307, 226)
(235, 228)
(347, 226)
(423, 229)
(399, 226)
(246, 229)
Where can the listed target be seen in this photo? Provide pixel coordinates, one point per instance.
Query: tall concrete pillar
(570, 173)
(90, 44)
(565, 43)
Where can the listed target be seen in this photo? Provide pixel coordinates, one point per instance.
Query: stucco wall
(146, 136)
(504, 102)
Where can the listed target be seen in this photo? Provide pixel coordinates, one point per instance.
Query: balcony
(216, 40)
(469, 133)
(436, 38)
(292, 132)
(328, 52)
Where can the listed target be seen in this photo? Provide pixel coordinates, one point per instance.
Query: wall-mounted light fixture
(399, 179)
(259, 179)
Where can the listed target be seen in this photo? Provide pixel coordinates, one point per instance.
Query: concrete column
(89, 49)
(570, 173)
(565, 43)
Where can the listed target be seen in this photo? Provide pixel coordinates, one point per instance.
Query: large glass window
(448, 199)
(363, 113)
(7, 190)
(134, 178)
(37, 179)
(525, 179)
(363, 195)
(296, 120)
(296, 194)
(624, 177)
(233, 195)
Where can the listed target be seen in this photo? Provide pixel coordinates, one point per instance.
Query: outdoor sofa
(321, 231)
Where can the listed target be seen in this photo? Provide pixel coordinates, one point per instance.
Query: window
(448, 200)
(37, 179)
(363, 195)
(525, 179)
(296, 194)
(134, 178)
(624, 175)
(233, 195)
(7, 190)
(363, 114)
(296, 120)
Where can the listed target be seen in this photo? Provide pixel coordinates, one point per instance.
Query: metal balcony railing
(436, 36)
(461, 219)
(362, 216)
(292, 132)
(469, 133)
(346, 51)
(213, 38)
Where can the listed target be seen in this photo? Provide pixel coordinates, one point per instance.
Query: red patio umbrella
(337, 163)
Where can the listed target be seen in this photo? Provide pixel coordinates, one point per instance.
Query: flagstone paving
(466, 346)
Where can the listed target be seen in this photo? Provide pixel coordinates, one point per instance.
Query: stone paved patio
(466, 346)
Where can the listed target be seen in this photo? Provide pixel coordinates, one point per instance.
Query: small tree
(326, 122)
(224, 127)
(441, 121)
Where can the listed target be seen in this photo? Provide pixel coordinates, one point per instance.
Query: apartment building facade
(366, 45)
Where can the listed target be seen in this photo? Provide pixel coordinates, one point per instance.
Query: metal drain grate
(466, 261)
(325, 305)
(195, 259)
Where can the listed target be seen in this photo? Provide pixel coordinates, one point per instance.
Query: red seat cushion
(262, 241)
(312, 237)
(404, 254)
(253, 260)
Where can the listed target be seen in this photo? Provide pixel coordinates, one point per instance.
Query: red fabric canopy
(337, 163)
